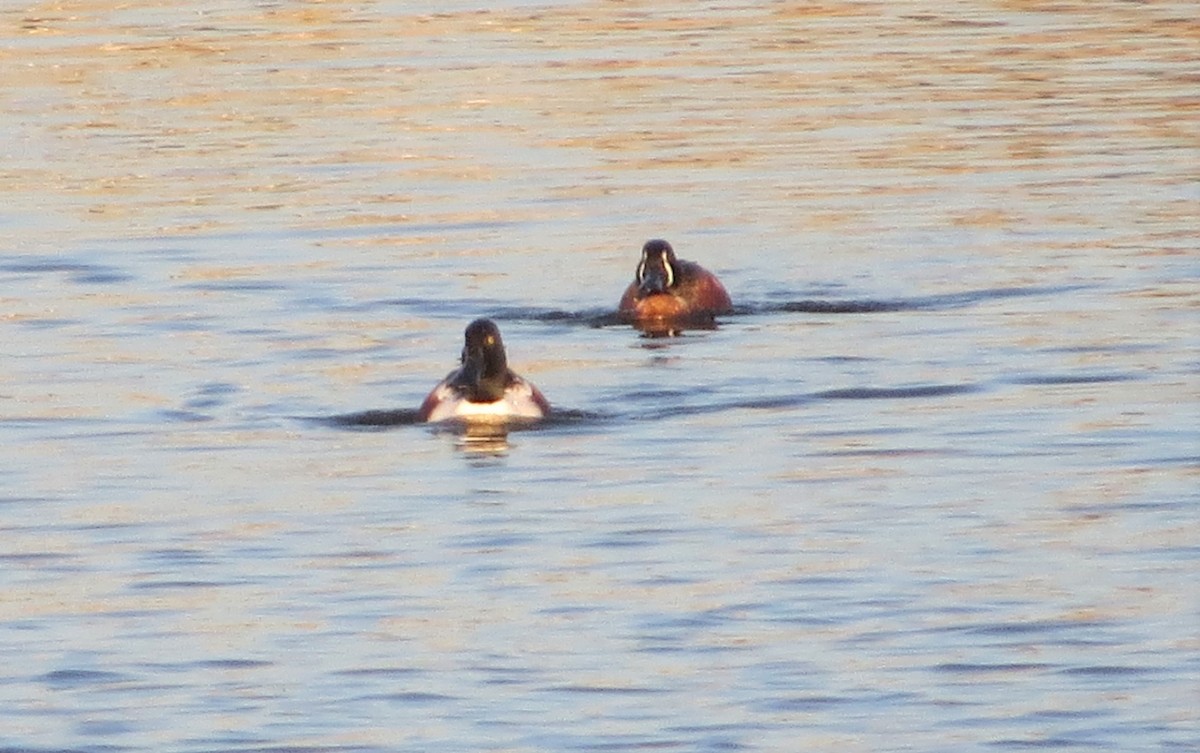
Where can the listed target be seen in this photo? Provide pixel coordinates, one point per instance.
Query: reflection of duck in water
(483, 388)
(667, 290)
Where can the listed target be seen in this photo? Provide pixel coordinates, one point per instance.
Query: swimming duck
(668, 289)
(483, 388)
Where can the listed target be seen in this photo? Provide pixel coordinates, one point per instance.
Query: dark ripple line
(37, 557)
(384, 672)
(919, 303)
(372, 419)
(238, 286)
(410, 696)
(797, 400)
(816, 306)
(57, 750)
(605, 690)
(76, 677)
(224, 748)
(1050, 743)
(91, 274)
(174, 584)
(967, 668)
(204, 664)
(607, 317)
(382, 419)
(805, 703)
(619, 742)
(593, 318)
(1025, 628)
(1067, 379)
(897, 393)
(231, 664)
(1105, 670)
(391, 418)
(597, 317)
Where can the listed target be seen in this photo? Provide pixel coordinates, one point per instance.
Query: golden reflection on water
(297, 169)
(483, 440)
(144, 120)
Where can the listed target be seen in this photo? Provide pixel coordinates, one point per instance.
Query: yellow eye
(490, 340)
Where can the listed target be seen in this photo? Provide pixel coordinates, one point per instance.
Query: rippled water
(931, 487)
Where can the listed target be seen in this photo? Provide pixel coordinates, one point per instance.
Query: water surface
(931, 487)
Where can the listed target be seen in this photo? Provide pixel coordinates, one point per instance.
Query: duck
(483, 389)
(666, 289)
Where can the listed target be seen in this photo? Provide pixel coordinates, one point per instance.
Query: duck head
(484, 373)
(656, 270)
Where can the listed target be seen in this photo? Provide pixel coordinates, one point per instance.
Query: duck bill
(653, 281)
(479, 378)
(470, 375)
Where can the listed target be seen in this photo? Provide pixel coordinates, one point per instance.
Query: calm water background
(933, 488)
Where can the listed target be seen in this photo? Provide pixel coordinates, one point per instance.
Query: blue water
(932, 486)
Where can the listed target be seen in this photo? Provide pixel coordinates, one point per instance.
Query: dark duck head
(656, 271)
(484, 374)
